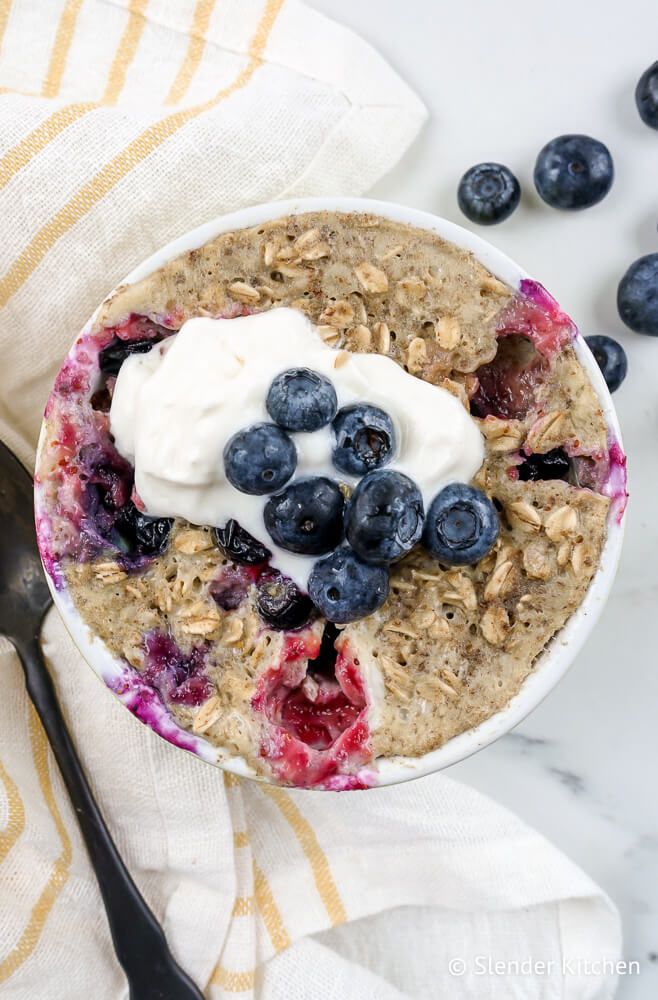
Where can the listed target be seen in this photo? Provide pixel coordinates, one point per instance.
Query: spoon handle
(139, 941)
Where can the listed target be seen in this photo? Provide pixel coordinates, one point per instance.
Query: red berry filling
(531, 330)
(535, 314)
(320, 721)
(508, 384)
(140, 328)
(314, 704)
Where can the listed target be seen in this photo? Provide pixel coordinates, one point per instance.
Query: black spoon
(139, 941)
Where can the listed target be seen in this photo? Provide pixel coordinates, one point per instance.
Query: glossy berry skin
(384, 517)
(239, 545)
(281, 604)
(573, 172)
(301, 400)
(637, 296)
(488, 193)
(552, 464)
(611, 359)
(260, 459)
(364, 439)
(461, 525)
(113, 356)
(646, 96)
(307, 516)
(344, 588)
(141, 535)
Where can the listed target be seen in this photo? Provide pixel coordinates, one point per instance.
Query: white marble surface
(500, 80)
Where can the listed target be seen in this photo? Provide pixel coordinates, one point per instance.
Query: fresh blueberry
(611, 359)
(281, 604)
(552, 464)
(637, 296)
(344, 588)
(239, 545)
(646, 96)
(461, 525)
(260, 459)
(307, 516)
(364, 439)
(384, 518)
(139, 534)
(488, 193)
(301, 400)
(573, 171)
(113, 356)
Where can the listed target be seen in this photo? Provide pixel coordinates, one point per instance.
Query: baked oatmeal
(382, 382)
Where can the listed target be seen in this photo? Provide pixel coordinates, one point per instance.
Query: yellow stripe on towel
(63, 39)
(20, 155)
(324, 881)
(196, 45)
(233, 982)
(120, 166)
(15, 814)
(269, 911)
(126, 51)
(60, 869)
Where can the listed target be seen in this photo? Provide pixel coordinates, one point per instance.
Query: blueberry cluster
(574, 172)
(356, 538)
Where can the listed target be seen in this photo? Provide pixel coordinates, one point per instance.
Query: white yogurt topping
(175, 408)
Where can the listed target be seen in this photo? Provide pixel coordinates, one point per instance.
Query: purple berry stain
(230, 589)
(179, 677)
(146, 705)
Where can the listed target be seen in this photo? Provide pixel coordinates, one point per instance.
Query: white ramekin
(553, 662)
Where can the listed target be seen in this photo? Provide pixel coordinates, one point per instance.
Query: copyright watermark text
(485, 965)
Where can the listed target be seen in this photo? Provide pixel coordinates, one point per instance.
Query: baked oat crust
(450, 647)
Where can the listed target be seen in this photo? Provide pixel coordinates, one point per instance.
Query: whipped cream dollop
(175, 408)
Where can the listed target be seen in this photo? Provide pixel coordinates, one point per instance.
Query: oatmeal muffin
(210, 616)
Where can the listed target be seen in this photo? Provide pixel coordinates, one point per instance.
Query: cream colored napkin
(124, 124)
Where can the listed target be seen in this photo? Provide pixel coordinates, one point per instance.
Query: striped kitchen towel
(125, 123)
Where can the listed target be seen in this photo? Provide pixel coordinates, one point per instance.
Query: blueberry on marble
(113, 356)
(307, 516)
(364, 439)
(142, 535)
(646, 96)
(301, 400)
(281, 604)
(384, 516)
(344, 588)
(573, 172)
(488, 193)
(553, 464)
(461, 525)
(260, 459)
(637, 296)
(239, 545)
(611, 358)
